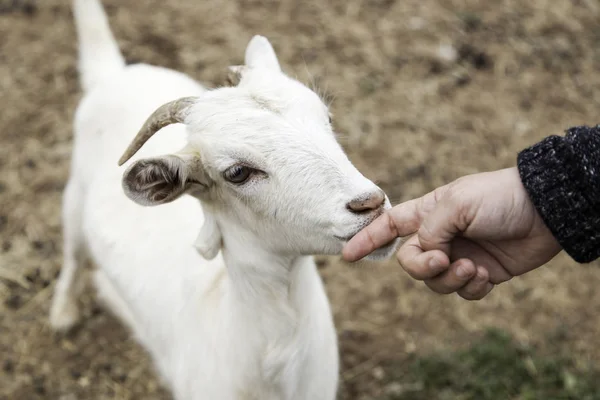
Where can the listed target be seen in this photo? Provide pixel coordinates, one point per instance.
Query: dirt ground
(410, 114)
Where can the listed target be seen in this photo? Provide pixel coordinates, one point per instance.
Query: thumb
(449, 218)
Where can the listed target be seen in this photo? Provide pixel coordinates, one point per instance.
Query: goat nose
(367, 202)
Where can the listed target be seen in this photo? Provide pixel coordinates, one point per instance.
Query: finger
(478, 287)
(440, 227)
(399, 221)
(463, 248)
(457, 276)
(421, 265)
(487, 289)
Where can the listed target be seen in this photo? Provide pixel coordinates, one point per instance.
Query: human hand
(472, 234)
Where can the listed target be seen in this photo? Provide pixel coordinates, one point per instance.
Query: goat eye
(330, 120)
(237, 174)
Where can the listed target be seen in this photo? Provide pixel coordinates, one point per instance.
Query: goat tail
(99, 54)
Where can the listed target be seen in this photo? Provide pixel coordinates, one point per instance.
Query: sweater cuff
(557, 185)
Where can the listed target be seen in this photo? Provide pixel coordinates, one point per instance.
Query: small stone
(84, 381)
(394, 389)
(378, 373)
(447, 53)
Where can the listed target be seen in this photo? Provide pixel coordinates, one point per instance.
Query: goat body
(237, 317)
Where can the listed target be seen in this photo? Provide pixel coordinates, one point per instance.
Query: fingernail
(462, 271)
(434, 264)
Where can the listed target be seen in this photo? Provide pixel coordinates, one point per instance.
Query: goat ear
(209, 240)
(154, 181)
(260, 53)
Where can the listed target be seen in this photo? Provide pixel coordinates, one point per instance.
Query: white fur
(237, 311)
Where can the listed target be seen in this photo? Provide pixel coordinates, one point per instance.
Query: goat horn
(167, 114)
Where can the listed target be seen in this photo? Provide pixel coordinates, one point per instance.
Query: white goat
(244, 315)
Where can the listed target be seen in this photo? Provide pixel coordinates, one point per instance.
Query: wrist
(549, 172)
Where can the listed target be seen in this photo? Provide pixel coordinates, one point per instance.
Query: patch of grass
(494, 368)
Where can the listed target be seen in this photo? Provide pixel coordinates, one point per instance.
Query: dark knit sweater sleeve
(562, 177)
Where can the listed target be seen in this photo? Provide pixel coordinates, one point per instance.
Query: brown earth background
(410, 115)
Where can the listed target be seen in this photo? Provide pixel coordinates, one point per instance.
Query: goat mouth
(345, 238)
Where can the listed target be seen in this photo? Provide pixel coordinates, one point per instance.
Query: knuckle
(439, 288)
(461, 182)
(475, 293)
(438, 194)
(457, 199)
(411, 271)
(426, 234)
(369, 239)
(390, 223)
(468, 297)
(411, 268)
